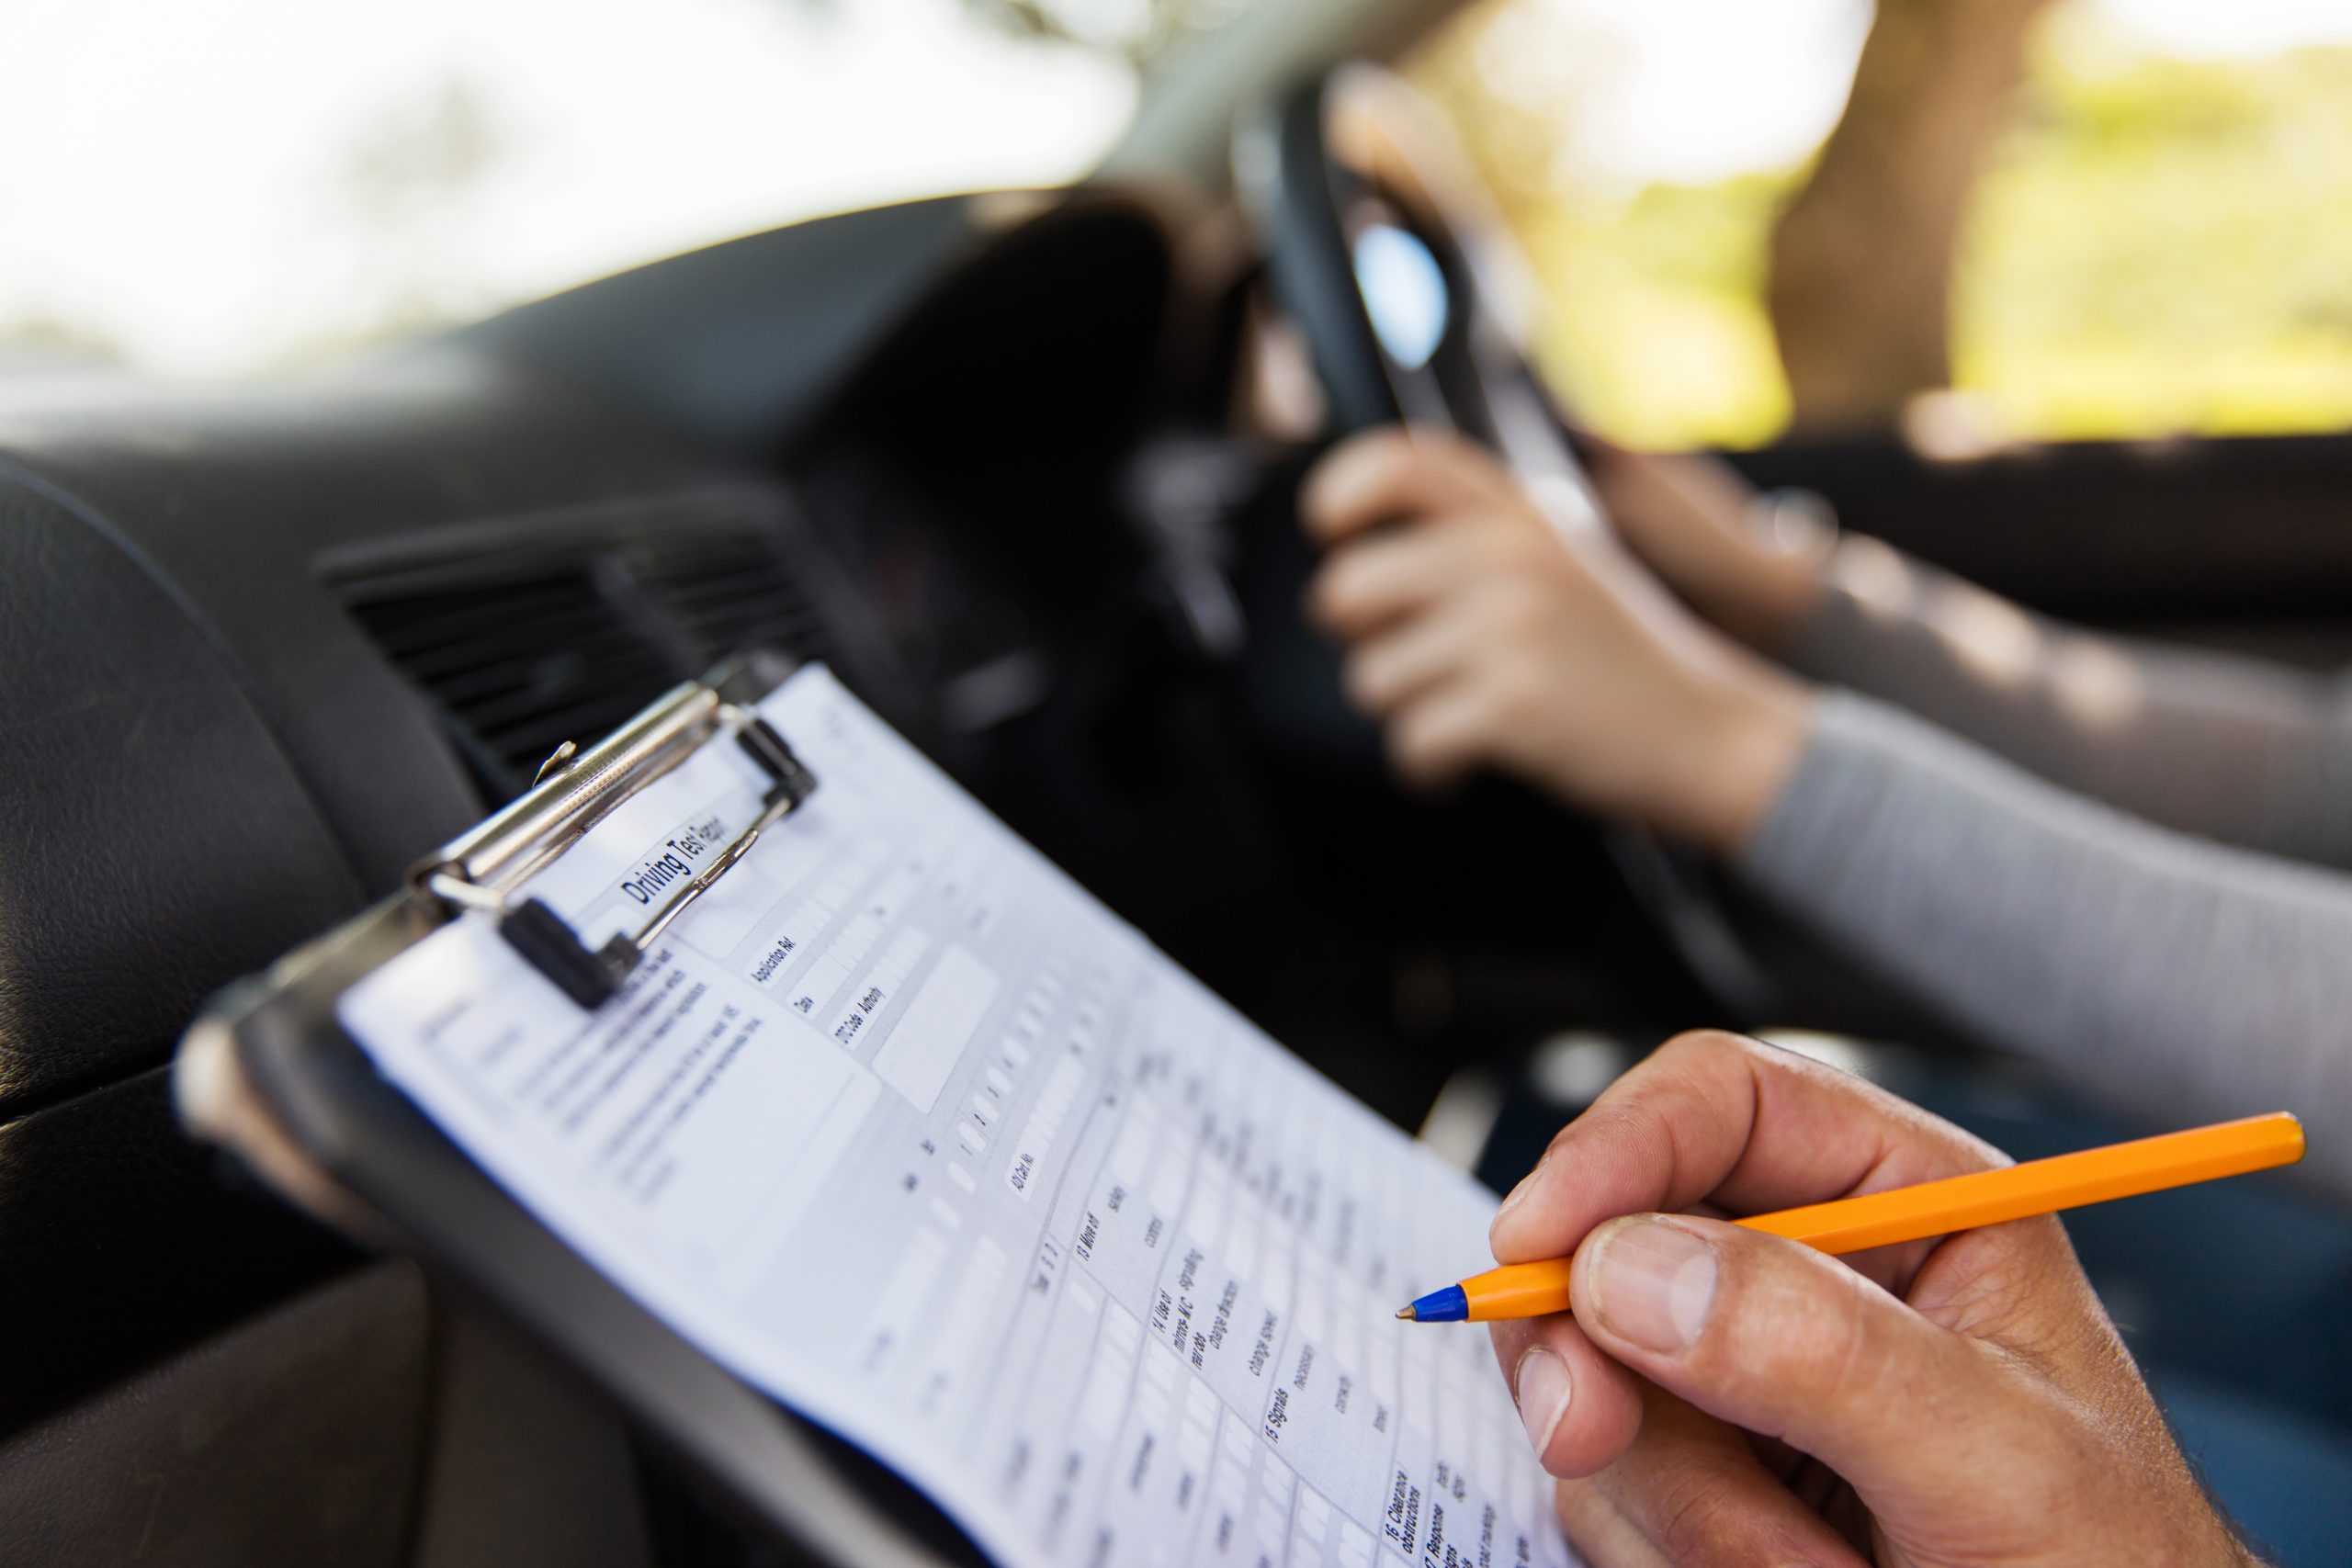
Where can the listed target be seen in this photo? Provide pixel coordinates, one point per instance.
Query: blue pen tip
(1448, 1305)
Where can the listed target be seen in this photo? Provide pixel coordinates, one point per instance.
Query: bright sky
(178, 179)
(196, 208)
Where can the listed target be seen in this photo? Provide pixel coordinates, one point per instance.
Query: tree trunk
(1861, 261)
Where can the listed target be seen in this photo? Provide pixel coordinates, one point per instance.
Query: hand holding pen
(1721, 1395)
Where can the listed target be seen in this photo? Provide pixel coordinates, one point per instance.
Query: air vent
(527, 646)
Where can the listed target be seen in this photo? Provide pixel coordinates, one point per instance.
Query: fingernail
(1654, 1282)
(1540, 1383)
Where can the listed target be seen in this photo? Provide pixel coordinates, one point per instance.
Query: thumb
(1780, 1339)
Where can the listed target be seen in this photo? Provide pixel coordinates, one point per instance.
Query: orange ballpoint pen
(1932, 1208)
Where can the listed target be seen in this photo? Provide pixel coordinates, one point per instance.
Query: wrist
(1769, 584)
(1763, 596)
(1756, 722)
(1786, 595)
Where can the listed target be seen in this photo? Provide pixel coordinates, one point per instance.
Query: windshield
(251, 185)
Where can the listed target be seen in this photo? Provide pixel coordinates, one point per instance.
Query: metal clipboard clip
(575, 790)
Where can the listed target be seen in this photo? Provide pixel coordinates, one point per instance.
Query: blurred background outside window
(232, 187)
(2088, 217)
(2144, 207)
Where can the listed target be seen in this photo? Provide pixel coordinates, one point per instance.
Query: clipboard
(267, 1072)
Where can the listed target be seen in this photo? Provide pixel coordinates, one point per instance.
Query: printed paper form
(916, 1137)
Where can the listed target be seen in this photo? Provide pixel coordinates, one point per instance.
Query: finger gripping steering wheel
(1387, 254)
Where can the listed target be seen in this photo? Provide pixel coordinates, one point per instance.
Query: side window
(2047, 220)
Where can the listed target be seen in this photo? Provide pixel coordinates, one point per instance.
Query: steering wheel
(1387, 254)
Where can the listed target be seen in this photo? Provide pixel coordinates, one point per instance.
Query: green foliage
(2159, 245)
(1655, 324)
(2167, 246)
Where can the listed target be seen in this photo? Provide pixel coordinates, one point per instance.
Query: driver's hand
(1695, 522)
(1481, 637)
(1722, 1397)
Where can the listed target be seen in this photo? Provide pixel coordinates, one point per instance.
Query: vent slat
(406, 627)
(561, 680)
(467, 663)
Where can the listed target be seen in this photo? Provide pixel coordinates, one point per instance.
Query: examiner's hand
(1480, 637)
(1697, 523)
(1721, 1397)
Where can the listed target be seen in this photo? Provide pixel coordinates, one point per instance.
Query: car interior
(1022, 466)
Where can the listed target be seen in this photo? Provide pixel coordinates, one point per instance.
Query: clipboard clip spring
(591, 977)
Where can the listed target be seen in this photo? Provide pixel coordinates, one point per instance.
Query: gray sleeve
(2179, 978)
(2232, 748)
